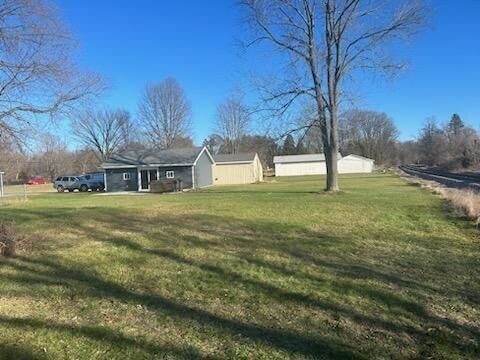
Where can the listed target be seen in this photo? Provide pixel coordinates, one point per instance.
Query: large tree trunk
(331, 160)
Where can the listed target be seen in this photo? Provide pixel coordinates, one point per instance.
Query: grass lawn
(273, 270)
(31, 189)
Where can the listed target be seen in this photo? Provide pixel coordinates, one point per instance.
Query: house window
(126, 176)
(170, 174)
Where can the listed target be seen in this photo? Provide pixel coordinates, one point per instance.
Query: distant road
(449, 179)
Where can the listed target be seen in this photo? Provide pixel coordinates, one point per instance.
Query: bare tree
(105, 131)
(408, 152)
(84, 160)
(214, 143)
(433, 143)
(12, 159)
(232, 123)
(369, 133)
(37, 74)
(165, 113)
(51, 158)
(325, 42)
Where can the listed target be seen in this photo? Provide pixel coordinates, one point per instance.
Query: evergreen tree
(301, 149)
(289, 147)
(455, 125)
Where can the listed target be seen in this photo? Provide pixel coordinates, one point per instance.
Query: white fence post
(1, 184)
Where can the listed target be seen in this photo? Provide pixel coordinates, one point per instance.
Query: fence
(15, 193)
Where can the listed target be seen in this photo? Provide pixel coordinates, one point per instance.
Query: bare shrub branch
(37, 75)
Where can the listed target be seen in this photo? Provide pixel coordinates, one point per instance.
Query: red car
(35, 181)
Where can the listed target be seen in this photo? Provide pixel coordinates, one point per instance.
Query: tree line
(451, 145)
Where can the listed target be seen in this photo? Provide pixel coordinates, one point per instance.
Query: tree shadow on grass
(18, 352)
(97, 333)
(96, 287)
(248, 241)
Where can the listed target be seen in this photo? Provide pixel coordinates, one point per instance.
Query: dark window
(59, 179)
(170, 174)
(65, 178)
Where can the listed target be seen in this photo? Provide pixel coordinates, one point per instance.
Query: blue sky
(133, 43)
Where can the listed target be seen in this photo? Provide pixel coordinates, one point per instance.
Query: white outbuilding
(314, 164)
(231, 169)
(353, 164)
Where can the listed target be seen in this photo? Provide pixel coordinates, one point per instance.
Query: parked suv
(82, 183)
(94, 181)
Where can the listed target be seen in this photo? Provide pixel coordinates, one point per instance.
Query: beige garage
(237, 169)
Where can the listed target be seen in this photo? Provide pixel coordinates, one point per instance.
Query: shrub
(7, 240)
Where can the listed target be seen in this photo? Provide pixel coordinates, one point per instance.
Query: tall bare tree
(433, 143)
(232, 123)
(325, 42)
(104, 131)
(165, 113)
(369, 133)
(37, 74)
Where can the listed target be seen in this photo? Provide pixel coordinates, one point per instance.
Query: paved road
(449, 179)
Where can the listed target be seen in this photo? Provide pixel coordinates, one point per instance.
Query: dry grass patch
(463, 203)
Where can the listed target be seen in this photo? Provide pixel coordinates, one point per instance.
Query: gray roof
(185, 156)
(241, 157)
(300, 158)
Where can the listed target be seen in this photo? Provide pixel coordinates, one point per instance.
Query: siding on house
(238, 173)
(203, 171)
(183, 173)
(115, 182)
(237, 169)
(191, 165)
(233, 174)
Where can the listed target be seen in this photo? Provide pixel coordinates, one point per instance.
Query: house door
(144, 181)
(146, 176)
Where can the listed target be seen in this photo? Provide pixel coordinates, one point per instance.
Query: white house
(314, 164)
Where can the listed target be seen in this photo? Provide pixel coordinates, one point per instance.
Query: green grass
(31, 189)
(275, 270)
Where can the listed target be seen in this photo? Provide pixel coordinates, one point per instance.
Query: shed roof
(231, 158)
(186, 156)
(358, 157)
(300, 158)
